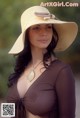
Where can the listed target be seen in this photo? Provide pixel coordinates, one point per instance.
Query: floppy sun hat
(67, 31)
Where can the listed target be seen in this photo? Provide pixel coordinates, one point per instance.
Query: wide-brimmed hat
(67, 31)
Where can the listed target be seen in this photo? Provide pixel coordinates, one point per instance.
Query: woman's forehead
(41, 25)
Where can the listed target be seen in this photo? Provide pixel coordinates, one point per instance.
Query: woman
(42, 86)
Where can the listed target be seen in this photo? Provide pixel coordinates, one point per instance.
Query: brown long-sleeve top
(52, 95)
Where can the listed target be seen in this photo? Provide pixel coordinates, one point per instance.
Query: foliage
(5, 69)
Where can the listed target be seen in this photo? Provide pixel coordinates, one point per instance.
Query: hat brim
(67, 32)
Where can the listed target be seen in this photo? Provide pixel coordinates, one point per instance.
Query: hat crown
(29, 15)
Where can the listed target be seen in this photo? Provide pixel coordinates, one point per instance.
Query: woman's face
(40, 35)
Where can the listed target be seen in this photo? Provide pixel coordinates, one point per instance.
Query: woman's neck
(37, 55)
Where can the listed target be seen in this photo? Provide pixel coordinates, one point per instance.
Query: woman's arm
(65, 87)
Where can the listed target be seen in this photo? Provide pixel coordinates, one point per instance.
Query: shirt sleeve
(65, 88)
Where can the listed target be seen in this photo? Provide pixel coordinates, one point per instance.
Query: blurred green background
(10, 12)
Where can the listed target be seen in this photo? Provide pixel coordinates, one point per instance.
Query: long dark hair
(24, 57)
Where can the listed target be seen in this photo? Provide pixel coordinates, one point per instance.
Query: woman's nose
(44, 31)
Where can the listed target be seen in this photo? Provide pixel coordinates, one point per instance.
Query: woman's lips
(42, 40)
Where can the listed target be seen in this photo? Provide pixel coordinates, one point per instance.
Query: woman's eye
(36, 28)
(49, 27)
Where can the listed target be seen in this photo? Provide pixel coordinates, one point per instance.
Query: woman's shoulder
(58, 62)
(59, 65)
(62, 70)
